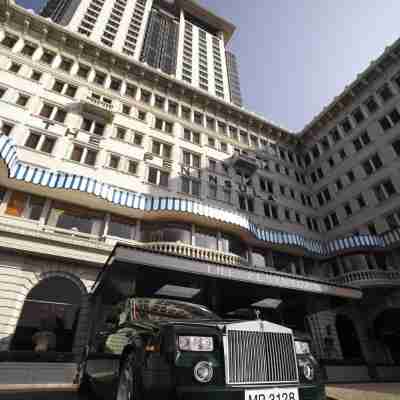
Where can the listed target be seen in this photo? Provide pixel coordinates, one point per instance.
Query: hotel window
(84, 155)
(161, 149)
(222, 128)
(246, 203)
(372, 165)
(393, 220)
(287, 214)
(346, 125)
(28, 49)
(191, 136)
(210, 123)
(172, 107)
(186, 113)
(9, 41)
(385, 123)
(158, 177)
(2, 92)
(22, 100)
(348, 209)
(335, 135)
(36, 75)
(14, 67)
(53, 112)
(133, 167)
(324, 143)
(191, 186)
(362, 141)
(244, 138)
(350, 175)
(371, 104)
(254, 142)
(159, 102)
(93, 127)
(385, 92)
(41, 142)
(114, 161)
(121, 227)
(99, 78)
(25, 205)
(224, 147)
(358, 115)
(83, 71)
(227, 191)
(396, 147)
(145, 96)
(66, 64)
(115, 84)
(212, 165)
(233, 133)
(338, 185)
(271, 211)
(64, 88)
(130, 90)
(142, 116)
(198, 118)
(47, 57)
(384, 190)
(211, 142)
(361, 202)
(191, 159)
(164, 126)
(6, 128)
(126, 109)
(342, 154)
(75, 218)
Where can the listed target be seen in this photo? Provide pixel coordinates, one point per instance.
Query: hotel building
(113, 137)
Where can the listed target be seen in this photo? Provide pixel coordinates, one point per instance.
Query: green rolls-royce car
(153, 348)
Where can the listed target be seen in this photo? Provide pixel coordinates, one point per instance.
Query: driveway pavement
(364, 391)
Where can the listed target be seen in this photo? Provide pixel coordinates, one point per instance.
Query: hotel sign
(166, 262)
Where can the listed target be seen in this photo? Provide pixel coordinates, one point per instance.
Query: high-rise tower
(179, 37)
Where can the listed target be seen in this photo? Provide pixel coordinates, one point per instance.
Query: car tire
(128, 382)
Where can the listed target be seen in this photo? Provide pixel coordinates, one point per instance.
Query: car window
(166, 309)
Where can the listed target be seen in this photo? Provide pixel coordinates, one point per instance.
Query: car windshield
(166, 309)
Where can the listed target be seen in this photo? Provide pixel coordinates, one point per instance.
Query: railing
(74, 232)
(99, 103)
(198, 253)
(367, 278)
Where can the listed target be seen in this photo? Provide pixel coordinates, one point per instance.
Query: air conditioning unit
(147, 156)
(95, 140)
(167, 164)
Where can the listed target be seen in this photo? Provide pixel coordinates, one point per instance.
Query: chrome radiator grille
(260, 357)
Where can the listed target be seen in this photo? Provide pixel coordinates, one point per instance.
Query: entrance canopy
(136, 271)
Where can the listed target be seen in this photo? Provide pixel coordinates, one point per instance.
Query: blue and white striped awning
(126, 198)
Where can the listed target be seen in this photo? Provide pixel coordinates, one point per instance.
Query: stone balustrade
(99, 103)
(368, 278)
(198, 253)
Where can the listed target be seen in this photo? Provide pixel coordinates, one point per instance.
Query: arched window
(348, 338)
(49, 317)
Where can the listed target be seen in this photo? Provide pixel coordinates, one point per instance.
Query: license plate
(272, 394)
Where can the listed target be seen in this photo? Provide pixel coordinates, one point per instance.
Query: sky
(295, 56)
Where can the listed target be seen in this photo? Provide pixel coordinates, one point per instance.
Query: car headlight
(302, 347)
(196, 343)
(306, 368)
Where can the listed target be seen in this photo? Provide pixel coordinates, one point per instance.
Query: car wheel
(128, 384)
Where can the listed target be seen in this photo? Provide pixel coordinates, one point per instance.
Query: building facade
(98, 147)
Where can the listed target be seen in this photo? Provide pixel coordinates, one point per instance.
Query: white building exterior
(98, 147)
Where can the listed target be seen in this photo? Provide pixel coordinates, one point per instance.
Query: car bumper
(306, 392)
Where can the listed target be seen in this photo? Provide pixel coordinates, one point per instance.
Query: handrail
(199, 253)
(366, 276)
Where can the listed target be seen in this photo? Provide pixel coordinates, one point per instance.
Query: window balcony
(243, 162)
(97, 105)
(368, 278)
